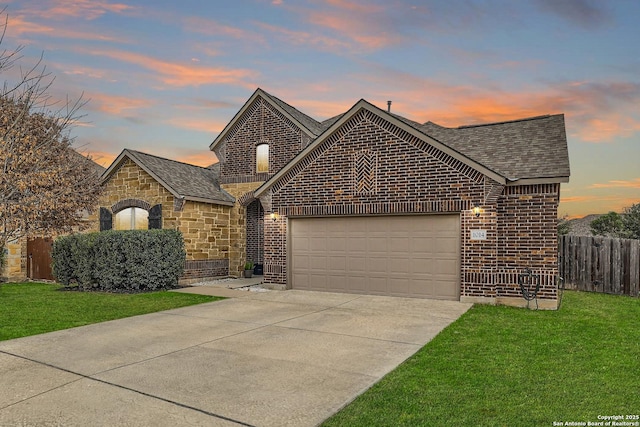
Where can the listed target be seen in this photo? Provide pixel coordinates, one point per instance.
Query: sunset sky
(164, 77)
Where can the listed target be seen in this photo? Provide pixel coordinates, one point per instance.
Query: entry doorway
(255, 233)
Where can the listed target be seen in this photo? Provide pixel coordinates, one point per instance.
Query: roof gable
(305, 123)
(524, 151)
(456, 158)
(183, 180)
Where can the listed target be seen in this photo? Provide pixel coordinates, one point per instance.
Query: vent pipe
(388, 106)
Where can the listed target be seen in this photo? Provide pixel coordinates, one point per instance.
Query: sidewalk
(228, 288)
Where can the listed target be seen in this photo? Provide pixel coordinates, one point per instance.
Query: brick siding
(255, 220)
(399, 174)
(198, 269)
(261, 123)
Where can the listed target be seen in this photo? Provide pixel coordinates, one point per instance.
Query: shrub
(63, 266)
(135, 260)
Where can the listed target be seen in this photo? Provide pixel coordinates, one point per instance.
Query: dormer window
(262, 158)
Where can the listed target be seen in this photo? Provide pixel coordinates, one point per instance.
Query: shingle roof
(532, 150)
(528, 148)
(181, 179)
(311, 124)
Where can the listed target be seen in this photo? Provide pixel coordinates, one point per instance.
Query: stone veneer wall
(15, 269)
(238, 224)
(370, 167)
(203, 225)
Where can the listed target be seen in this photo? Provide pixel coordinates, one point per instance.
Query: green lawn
(35, 308)
(502, 366)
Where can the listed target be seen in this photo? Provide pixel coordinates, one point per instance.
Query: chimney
(388, 106)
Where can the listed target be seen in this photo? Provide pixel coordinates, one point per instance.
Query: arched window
(132, 219)
(262, 158)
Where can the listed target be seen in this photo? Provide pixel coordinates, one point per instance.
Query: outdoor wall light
(476, 211)
(274, 216)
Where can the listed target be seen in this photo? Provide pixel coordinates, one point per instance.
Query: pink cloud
(200, 125)
(114, 104)
(19, 26)
(577, 199)
(214, 28)
(351, 25)
(364, 34)
(635, 183)
(180, 75)
(87, 9)
(102, 158)
(204, 158)
(304, 37)
(595, 111)
(579, 206)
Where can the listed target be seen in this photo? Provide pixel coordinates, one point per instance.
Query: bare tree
(45, 185)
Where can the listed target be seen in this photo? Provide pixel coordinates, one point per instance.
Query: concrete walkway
(278, 358)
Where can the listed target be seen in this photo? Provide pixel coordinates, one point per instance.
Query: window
(132, 219)
(262, 158)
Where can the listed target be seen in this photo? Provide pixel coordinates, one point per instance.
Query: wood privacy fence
(600, 264)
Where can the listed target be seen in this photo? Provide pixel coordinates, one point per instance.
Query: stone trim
(130, 203)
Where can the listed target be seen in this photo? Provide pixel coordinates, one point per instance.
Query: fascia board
(205, 200)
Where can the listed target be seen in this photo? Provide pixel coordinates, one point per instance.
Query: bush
(135, 260)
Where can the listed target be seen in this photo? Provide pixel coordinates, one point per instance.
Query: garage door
(411, 256)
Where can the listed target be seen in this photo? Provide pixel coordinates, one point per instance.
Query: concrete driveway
(279, 358)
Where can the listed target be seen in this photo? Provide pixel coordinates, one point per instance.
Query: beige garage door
(414, 256)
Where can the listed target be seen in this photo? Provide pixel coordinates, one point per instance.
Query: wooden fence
(600, 264)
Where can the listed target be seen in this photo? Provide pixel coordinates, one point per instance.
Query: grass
(35, 308)
(503, 366)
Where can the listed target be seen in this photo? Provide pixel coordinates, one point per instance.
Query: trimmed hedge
(135, 260)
